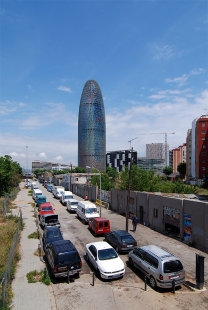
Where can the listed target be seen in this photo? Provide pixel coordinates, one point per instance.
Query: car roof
(100, 219)
(45, 204)
(121, 232)
(73, 200)
(63, 246)
(159, 252)
(100, 245)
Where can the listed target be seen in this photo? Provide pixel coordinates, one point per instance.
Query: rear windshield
(68, 258)
(46, 209)
(172, 266)
(127, 238)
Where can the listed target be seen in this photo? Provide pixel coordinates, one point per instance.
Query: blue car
(50, 234)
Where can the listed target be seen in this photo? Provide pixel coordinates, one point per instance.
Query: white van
(71, 205)
(57, 191)
(86, 210)
(34, 185)
(36, 192)
(65, 197)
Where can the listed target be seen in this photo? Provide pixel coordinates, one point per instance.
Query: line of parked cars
(161, 267)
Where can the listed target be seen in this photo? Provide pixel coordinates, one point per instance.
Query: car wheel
(94, 233)
(51, 273)
(83, 221)
(131, 263)
(116, 248)
(152, 282)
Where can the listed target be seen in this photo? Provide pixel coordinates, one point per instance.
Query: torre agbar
(92, 128)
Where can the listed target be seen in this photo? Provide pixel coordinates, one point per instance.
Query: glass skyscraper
(92, 128)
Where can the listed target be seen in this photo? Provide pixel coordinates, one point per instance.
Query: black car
(63, 259)
(121, 240)
(50, 234)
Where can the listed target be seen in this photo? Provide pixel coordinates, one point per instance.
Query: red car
(46, 208)
(99, 225)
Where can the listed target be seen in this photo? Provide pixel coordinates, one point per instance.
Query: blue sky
(150, 59)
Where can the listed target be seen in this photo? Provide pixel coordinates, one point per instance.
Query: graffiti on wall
(171, 216)
(187, 224)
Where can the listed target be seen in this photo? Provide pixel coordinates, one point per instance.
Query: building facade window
(203, 131)
(203, 168)
(203, 153)
(204, 146)
(203, 139)
(203, 124)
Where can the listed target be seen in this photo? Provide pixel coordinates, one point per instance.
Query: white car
(105, 260)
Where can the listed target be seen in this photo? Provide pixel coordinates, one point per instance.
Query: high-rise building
(92, 128)
(197, 146)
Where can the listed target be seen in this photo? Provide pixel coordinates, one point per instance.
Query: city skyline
(149, 57)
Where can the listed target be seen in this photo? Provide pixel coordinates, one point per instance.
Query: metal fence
(5, 206)
(5, 278)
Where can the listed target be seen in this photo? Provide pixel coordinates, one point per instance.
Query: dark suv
(63, 258)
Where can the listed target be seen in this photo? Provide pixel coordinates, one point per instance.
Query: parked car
(45, 208)
(63, 258)
(86, 210)
(50, 188)
(99, 225)
(71, 205)
(50, 234)
(158, 265)
(105, 260)
(121, 240)
(65, 196)
(39, 200)
(49, 220)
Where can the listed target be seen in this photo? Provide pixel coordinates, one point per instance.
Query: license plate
(129, 246)
(62, 269)
(174, 277)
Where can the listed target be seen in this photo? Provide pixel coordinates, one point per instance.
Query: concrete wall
(169, 210)
(199, 220)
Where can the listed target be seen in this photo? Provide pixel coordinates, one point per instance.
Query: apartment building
(179, 156)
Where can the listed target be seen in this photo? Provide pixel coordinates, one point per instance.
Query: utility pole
(70, 177)
(128, 195)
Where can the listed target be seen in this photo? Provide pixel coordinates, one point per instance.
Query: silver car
(158, 265)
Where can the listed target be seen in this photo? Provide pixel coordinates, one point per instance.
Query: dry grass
(7, 230)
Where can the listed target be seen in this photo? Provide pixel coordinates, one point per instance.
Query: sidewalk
(35, 295)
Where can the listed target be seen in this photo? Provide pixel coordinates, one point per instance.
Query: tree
(181, 168)
(168, 170)
(10, 174)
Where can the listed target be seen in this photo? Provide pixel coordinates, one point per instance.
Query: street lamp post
(100, 185)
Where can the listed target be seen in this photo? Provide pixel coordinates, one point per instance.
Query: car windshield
(107, 254)
(127, 238)
(53, 234)
(68, 197)
(74, 203)
(172, 266)
(91, 210)
(46, 209)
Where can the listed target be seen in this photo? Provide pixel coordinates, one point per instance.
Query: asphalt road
(130, 290)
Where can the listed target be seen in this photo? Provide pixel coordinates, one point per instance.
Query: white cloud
(197, 71)
(42, 155)
(64, 88)
(14, 154)
(59, 158)
(164, 52)
(179, 80)
(29, 86)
